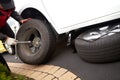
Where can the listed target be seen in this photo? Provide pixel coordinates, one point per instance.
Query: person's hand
(10, 41)
(25, 20)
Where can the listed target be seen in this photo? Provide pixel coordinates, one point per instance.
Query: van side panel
(67, 13)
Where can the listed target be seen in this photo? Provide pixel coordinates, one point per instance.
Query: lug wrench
(23, 42)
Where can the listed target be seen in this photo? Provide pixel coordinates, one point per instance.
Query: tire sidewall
(24, 52)
(105, 49)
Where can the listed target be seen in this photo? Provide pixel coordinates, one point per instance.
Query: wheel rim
(36, 42)
(101, 32)
(92, 36)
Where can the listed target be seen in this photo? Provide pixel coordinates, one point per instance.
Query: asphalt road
(64, 57)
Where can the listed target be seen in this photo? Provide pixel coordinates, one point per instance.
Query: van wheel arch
(36, 14)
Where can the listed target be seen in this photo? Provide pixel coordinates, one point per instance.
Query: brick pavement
(42, 72)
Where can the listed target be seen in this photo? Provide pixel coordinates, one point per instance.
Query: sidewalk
(42, 72)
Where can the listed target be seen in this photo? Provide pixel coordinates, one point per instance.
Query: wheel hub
(36, 42)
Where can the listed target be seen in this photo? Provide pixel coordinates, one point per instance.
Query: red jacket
(4, 15)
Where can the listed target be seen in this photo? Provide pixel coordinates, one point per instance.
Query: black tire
(42, 44)
(105, 49)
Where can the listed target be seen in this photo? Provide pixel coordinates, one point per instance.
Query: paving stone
(42, 72)
(19, 71)
(68, 76)
(26, 66)
(29, 73)
(53, 70)
(55, 79)
(24, 72)
(13, 69)
(41, 76)
(78, 79)
(44, 68)
(14, 65)
(35, 74)
(49, 77)
(60, 72)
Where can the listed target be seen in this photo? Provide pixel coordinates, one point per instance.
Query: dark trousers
(7, 31)
(2, 61)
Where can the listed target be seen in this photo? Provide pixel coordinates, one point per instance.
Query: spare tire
(42, 40)
(103, 49)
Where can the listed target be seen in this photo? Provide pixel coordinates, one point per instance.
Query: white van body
(56, 20)
(67, 15)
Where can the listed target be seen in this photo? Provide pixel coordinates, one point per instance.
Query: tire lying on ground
(42, 40)
(105, 49)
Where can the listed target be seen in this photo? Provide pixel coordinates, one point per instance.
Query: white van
(51, 18)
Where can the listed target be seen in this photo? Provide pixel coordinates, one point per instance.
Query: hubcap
(36, 42)
(101, 32)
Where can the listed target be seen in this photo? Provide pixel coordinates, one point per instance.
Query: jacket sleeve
(3, 36)
(16, 16)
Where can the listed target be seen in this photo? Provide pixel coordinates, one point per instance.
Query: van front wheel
(42, 40)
